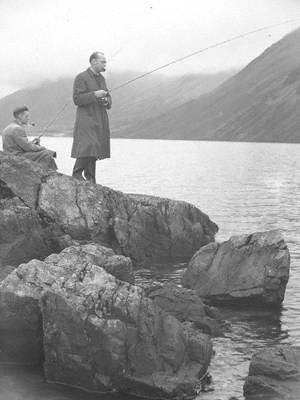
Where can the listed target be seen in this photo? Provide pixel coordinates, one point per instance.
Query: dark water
(243, 187)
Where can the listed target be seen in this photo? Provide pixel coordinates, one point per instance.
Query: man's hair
(19, 110)
(95, 55)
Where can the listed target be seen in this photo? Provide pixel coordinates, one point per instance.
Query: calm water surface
(243, 187)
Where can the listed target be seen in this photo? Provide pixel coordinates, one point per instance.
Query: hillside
(260, 103)
(144, 99)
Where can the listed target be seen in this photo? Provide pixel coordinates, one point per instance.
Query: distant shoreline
(183, 140)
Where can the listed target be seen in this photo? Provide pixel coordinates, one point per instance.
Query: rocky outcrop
(5, 270)
(246, 269)
(186, 305)
(145, 228)
(20, 317)
(23, 234)
(274, 372)
(95, 331)
(116, 265)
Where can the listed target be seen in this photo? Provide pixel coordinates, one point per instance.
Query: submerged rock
(97, 332)
(247, 269)
(186, 305)
(144, 228)
(274, 372)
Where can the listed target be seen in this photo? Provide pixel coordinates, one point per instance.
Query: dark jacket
(91, 130)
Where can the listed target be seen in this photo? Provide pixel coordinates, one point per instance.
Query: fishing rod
(202, 50)
(218, 44)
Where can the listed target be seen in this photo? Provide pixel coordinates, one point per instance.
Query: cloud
(51, 38)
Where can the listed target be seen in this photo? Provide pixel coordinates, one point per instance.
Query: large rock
(148, 229)
(23, 234)
(246, 269)
(274, 372)
(98, 332)
(145, 230)
(20, 317)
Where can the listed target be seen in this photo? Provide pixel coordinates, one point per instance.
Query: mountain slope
(143, 99)
(260, 103)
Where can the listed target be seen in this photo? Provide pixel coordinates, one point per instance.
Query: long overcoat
(91, 130)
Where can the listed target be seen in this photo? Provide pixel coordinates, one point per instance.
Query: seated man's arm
(22, 141)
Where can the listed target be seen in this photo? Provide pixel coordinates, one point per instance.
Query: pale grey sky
(46, 39)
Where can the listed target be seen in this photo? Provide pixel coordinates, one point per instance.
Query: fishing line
(115, 54)
(53, 120)
(218, 44)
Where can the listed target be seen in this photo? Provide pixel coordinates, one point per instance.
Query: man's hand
(100, 93)
(36, 141)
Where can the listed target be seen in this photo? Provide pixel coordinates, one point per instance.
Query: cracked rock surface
(97, 332)
(274, 373)
(23, 235)
(145, 228)
(246, 269)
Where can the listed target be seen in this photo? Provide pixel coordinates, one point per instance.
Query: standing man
(91, 132)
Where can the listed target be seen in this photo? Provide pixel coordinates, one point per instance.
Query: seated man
(15, 141)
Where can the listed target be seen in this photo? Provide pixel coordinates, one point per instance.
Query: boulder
(274, 372)
(23, 234)
(5, 270)
(20, 317)
(186, 305)
(145, 228)
(146, 231)
(247, 269)
(97, 332)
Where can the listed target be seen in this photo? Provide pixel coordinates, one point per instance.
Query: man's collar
(18, 122)
(94, 72)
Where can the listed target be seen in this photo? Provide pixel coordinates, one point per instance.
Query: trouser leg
(43, 157)
(90, 170)
(79, 166)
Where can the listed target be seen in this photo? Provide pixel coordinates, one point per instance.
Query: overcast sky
(47, 39)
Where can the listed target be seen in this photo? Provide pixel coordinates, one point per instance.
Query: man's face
(99, 64)
(24, 117)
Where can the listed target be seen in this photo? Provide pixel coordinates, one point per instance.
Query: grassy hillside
(144, 99)
(260, 103)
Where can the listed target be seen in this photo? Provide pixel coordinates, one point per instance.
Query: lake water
(243, 187)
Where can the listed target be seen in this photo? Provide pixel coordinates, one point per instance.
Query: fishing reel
(103, 101)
